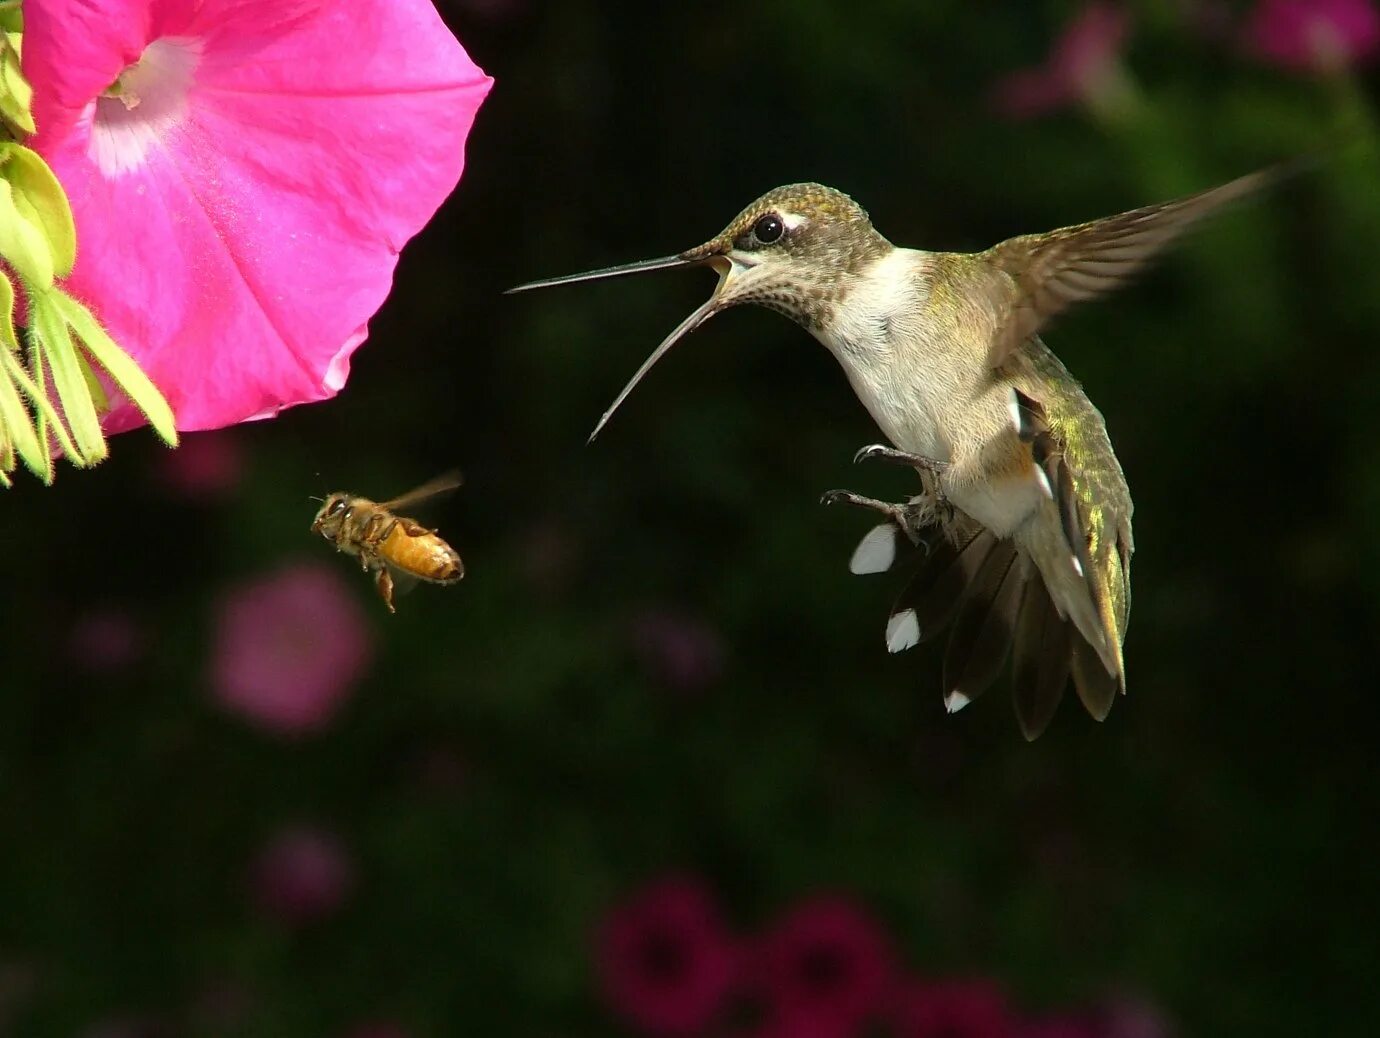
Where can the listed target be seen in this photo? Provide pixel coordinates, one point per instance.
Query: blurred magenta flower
(678, 651)
(206, 467)
(1311, 35)
(106, 640)
(953, 1009)
(827, 962)
(289, 647)
(1126, 1015)
(243, 174)
(666, 959)
(1083, 66)
(301, 875)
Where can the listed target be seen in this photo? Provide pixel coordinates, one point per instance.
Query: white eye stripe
(794, 221)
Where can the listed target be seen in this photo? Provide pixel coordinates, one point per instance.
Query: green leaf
(47, 420)
(93, 383)
(40, 198)
(120, 366)
(50, 341)
(16, 95)
(18, 423)
(7, 336)
(22, 245)
(6, 453)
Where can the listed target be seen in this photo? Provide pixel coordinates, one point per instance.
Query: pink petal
(289, 649)
(1304, 35)
(238, 239)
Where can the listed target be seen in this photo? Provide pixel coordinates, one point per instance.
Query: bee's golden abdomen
(415, 550)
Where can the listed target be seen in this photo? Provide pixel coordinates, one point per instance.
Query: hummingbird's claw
(896, 513)
(881, 452)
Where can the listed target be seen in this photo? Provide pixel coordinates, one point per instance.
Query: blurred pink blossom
(1309, 35)
(106, 640)
(678, 650)
(289, 647)
(206, 467)
(303, 874)
(826, 961)
(1083, 65)
(243, 174)
(666, 959)
(953, 1009)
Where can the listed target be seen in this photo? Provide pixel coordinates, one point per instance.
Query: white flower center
(145, 104)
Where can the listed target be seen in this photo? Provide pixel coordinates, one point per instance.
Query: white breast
(872, 336)
(927, 392)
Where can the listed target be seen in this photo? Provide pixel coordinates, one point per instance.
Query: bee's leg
(384, 581)
(881, 452)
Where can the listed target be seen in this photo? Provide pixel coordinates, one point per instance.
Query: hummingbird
(1022, 527)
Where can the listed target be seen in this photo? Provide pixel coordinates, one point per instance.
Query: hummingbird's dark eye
(768, 228)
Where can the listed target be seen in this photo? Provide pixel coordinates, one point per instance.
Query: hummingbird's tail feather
(929, 600)
(1040, 660)
(1095, 686)
(986, 621)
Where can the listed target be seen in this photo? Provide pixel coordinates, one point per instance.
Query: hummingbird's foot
(881, 452)
(896, 513)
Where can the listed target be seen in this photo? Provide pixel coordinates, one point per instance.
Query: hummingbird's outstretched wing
(1052, 271)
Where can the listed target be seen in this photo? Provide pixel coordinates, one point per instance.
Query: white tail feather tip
(875, 552)
(902, 631)
(955, 701)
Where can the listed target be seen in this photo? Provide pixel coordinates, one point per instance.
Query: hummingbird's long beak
(640, 267)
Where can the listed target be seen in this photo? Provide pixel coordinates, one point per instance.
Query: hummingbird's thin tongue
(701, 314)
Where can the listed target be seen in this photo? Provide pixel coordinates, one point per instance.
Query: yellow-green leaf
(40, 198)
(50, 341)
(18, 423)
(7, 336)
(46, 419)
(22, 245)
(118, 364)
(16, 95)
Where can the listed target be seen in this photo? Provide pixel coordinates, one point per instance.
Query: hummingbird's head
(790, 251)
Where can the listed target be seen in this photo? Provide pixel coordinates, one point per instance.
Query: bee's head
(331, 515)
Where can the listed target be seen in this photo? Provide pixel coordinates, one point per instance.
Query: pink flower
(206, 467)
(106, 640)
(679, 651)
(666, 959)
(243, 174)
(289, 648)
(1083, 65)
(953, 1009)
(1311, 35)
(828, 962)
(302, 875)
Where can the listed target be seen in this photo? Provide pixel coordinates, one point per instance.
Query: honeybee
(392, 547)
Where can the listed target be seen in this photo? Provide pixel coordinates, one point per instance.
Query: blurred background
(649, 770)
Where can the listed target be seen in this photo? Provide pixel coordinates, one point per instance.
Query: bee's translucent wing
(442, 484)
